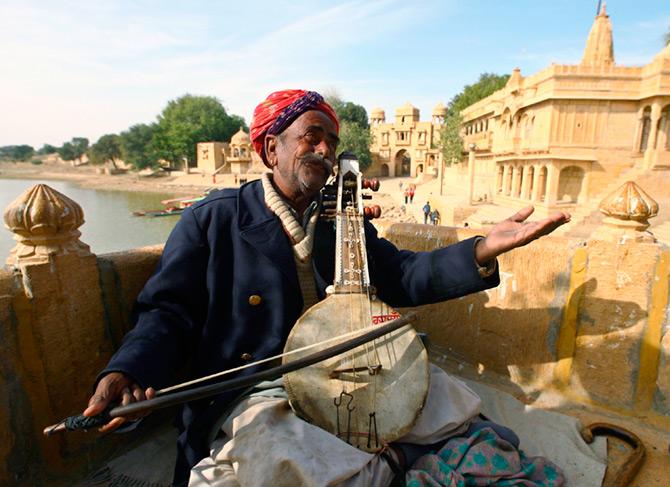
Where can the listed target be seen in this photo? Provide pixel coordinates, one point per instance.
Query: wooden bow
(165, 399)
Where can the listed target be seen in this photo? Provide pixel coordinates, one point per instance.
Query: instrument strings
(355, 277)
(356, 236)
(348, 281)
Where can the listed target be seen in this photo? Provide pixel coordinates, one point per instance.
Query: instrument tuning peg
(372, 184)
(372, 212)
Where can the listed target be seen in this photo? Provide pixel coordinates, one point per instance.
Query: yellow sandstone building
(569, 134)
(562, 138)
(406, 147)
(236, 157)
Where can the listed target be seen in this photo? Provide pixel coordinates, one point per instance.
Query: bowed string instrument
(373, 394)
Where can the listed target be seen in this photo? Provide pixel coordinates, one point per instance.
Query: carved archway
(542, 184)
(518, 180)
(508, 181)
(499, 178)
(530, 174)
(645, 128)
(506, 122)
(663, 137)
(570, 182)
(404, 162)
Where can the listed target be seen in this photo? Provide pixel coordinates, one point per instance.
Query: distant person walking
(411, 194)
(435, 217)
(426, 212)
(406, 195)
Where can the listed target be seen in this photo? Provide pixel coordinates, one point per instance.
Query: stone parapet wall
(586, 320)
(60, 322)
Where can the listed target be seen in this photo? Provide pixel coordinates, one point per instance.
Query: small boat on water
(174, 206)
(184, 202)
(164, 212)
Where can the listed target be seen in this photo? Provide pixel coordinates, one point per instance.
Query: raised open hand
(515, 232)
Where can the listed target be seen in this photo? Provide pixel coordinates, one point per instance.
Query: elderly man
(239, 269)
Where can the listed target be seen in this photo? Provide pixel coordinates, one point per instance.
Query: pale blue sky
(86, 68)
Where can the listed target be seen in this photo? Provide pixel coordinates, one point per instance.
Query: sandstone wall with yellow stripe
(587, 320)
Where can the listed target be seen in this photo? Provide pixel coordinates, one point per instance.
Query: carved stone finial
(44, 223)
(629, 202)
(627, 211)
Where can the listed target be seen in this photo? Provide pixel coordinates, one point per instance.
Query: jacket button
(246, 356)
(255, 300)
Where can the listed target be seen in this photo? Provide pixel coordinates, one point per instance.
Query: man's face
(302, 157)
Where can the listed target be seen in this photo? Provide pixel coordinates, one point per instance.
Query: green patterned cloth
(482, 459)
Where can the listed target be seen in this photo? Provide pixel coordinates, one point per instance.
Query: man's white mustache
(317, 159)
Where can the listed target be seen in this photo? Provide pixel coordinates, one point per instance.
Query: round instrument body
(340, 394)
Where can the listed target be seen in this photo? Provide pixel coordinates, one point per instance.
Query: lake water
(109, 225)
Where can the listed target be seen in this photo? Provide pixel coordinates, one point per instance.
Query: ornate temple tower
(599, 45)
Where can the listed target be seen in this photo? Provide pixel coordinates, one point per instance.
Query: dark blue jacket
(194, 312)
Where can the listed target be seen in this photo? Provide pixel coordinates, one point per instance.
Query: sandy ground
(88, 177)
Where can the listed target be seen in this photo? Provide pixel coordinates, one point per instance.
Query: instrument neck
(351, 262)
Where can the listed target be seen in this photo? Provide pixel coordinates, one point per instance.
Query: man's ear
(271, 149)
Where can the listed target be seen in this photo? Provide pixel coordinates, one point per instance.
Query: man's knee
(502, 431)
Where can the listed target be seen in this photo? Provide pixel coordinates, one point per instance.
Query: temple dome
(377, 112)
(407, 109)
(241, 138)
(440, 110)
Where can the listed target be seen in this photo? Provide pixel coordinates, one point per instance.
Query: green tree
(136, 146)
(47, 149)
(348, 111)
(67, 152)
(23, 152)
(80, 145)
(189, 120)
(451, 143)
(355, 135)
(356, 139)
(487, 84)
(667, 38)
(73, 150)
(16, 152)
(107, 148)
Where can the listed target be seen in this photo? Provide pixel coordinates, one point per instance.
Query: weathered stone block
(612, 321)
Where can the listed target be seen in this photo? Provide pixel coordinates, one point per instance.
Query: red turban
(280, 109)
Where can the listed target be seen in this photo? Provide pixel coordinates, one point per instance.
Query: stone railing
(587, 320)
